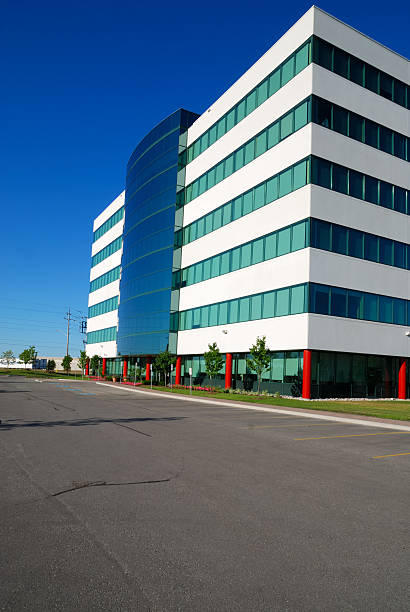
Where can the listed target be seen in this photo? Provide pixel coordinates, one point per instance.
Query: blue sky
(81, 85)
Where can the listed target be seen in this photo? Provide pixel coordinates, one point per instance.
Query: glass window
(322, 112)
(247, 202)
(302, 58)
(215, 266)
(371, 247)
(386, 309)
(282, 302)
(400, 199)
(339, 239)
(211, 178)
(204, 141)
(322, 53)
(204, 316)
(319, 302)
(274, 82)
(284, 241)
(237, 208)
(251, 102)
(240, 111)
(246, 252)
(249, 151)
(386, 140)
(200, 227)
(299, 175)
(371, 78)
(371, 309)
(386, 194)
(399, 311)
(257, 251)
(400, 93)
(198, 277)
(285, 182)
(288, 70)
(256, 307)
(355, 243)
(321, 234)
(229, 166)
(338, 303)
(208, 224)
(223, 313)
(321, 170)
(270, 246)
(230, 119)
(371, 189)
(341, 63)
(356, 70)
(269, 305)
(220, 174)
(286, 125)
(340, 120)
(236, 259)
(355, 304)
(207, 269)
(212, 135)
(227, 213)
(261, 143)
(301, 116)
(244, 309)
(371, 134)
(298, 236)
(339, 178)
(297, 302)
(213, 314)
(356, 127)
(356, 184)
(196, 322)
(386, 86)
(273, 135)
(262, 92)
(386, 251)
(399, 145)
(239, 157)
(259, 193)
(217, 218)
(272, 189)
(225, 257)
(399, 255)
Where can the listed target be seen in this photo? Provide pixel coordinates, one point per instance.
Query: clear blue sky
(81, 85)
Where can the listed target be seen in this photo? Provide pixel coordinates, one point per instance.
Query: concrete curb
(260, 408)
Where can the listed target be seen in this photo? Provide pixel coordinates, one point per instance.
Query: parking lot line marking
(379, 433)
(385, 456)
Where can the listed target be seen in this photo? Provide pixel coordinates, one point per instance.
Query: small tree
(163, 362)
(95, 363)
(260, 359)
(66, 363)
(28, 355)
(8, 358)
(51, 365)
(82, 361)
(213, 361)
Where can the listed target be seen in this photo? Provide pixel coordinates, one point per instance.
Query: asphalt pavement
(122, 501)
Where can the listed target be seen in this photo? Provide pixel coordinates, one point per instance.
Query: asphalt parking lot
(115, 500)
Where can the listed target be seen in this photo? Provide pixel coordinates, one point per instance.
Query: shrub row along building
(282, 210)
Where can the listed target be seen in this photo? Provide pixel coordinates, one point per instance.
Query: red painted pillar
(104, 366)
(307, 370)
(87, 367)
(228, 371)
(402, 379)
(125, 369)
(178, 371)
(148, 369)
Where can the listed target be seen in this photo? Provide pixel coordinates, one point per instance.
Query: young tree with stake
(213, 361)
(260, 359)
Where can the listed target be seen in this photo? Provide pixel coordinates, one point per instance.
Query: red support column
(125, 369)
(104, 366)
(148, 369)
(307, 370)
(87, 367)
(178, 371)
(228, 371)
(402, 379)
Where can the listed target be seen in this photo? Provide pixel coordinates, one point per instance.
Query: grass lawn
(38, 374)
(388, 409)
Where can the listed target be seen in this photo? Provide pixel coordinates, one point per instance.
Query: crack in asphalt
(103, 483)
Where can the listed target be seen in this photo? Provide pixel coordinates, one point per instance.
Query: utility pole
(68, 319)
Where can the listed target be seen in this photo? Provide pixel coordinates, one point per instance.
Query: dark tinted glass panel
(356, 127)
(356, 184)
(371, 189)
(386, 309)
(322, 53)
(339, 179)
(322, 112)
(386, 194)
(386, 86)
(386, 251)
(321, 172)
(339, 239)
(399, 255)
(355, 243)
(399, 312)
(399, 93)
(340, 120)
(319, 299)
(355, 305)
(321, 235)
(356, 70)
(371, 310)
(338, 302)
(372, 134)
(371, 247)
(400, 199)
(400, 146)
(372, 78)
(386, 140)
(341, 63)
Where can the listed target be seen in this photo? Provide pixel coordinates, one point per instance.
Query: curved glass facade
(148, 247)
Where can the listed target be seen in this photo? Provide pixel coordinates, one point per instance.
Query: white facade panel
(102, 349)
(282, 333)
(109, 211)
(107, 264)
(106, 292)
(108, 237)
(108, 319)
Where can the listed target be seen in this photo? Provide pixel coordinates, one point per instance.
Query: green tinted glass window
(288, 70)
